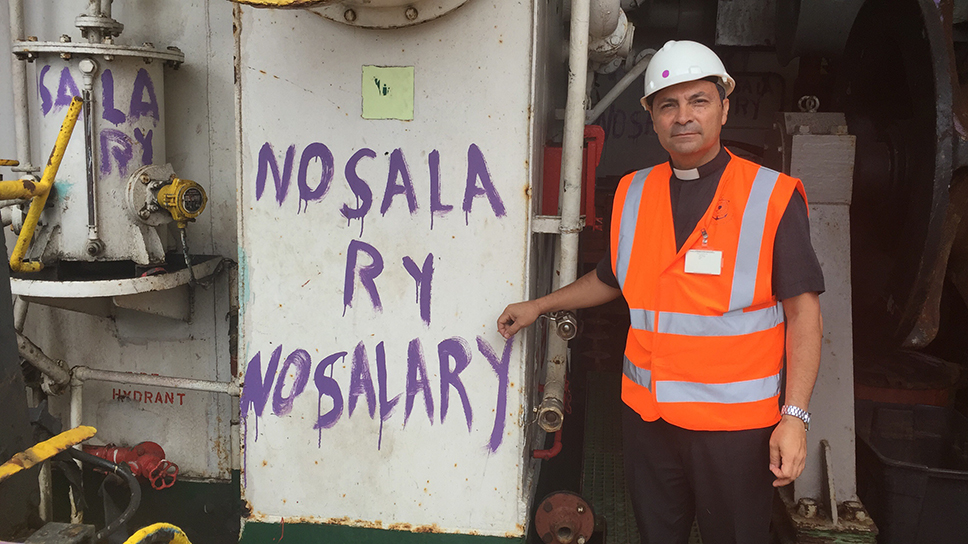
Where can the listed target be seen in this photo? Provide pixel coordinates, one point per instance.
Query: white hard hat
(681, 61)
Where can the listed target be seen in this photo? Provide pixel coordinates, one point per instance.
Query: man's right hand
(516, 317)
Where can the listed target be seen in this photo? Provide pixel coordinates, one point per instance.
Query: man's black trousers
(721, 479)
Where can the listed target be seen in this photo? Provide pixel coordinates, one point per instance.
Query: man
(713, 255)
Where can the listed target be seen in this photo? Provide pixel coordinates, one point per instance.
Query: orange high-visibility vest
(704, 351)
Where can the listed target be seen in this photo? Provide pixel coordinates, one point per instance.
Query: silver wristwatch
(798, 413)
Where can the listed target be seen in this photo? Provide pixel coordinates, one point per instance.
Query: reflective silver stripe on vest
(638, 375)
(729, 324)
(643, 320)
(630, 217)
(723, 393)
(751, 239)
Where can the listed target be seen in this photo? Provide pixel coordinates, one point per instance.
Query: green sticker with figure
(388, 92)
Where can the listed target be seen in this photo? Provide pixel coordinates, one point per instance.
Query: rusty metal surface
(63, 533)
(285, 4)
(564, 518)
(746, 22)
(906, 135)
(807, 27)
(804, 522)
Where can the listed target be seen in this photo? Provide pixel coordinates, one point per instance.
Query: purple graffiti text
(287, 383)
(399, 181)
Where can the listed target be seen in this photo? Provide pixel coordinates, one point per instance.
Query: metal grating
(603, 475)
(603, 472)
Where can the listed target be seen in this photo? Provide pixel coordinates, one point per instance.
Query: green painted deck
(603, 472)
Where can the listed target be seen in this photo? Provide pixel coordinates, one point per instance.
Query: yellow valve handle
(168, 533)
(184, 199)
(41, 190)
(45, 450)
(9, 162)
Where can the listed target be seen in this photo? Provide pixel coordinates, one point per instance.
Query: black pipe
(124, 471)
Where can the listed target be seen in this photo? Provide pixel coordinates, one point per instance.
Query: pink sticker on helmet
(665, 73)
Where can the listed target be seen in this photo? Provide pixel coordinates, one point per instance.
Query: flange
(564, 517)
(369, 13)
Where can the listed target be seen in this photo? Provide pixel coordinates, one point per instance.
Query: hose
(133, 485)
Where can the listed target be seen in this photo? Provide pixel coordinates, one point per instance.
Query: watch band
(797, 412)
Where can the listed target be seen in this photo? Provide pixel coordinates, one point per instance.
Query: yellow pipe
(45, 450)
(17, 189)
(9, 162)
(17, 263)
(174, 535)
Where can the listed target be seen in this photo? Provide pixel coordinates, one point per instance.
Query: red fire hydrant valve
(146, 459)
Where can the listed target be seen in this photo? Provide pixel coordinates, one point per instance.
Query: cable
(133, 485)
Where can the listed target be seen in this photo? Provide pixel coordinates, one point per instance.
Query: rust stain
(400, 526)
(29, 185)
(432, 528)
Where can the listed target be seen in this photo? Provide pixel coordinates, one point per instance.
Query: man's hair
(711, 79)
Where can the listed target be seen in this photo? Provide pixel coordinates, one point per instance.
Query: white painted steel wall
(195, 430)
(378, 412)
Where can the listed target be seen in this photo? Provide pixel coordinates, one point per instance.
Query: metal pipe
(77, 402)
(89, 164)
(554, 450)
(616, 91)
(45, 507)
(550, 411)
(106, 8)
(74, 419)
(18, 72)
(82, 374)
(57, 372)
(44, 480)
(603, 17)
(94, 244)
(20, 313)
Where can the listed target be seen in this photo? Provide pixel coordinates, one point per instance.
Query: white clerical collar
(686, 175)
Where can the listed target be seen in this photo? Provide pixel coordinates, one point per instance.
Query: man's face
(688, 118)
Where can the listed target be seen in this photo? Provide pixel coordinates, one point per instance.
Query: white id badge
(704, 261)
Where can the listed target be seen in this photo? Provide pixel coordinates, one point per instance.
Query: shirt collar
(718, 162)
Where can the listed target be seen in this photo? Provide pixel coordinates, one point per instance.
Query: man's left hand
(788, 450)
